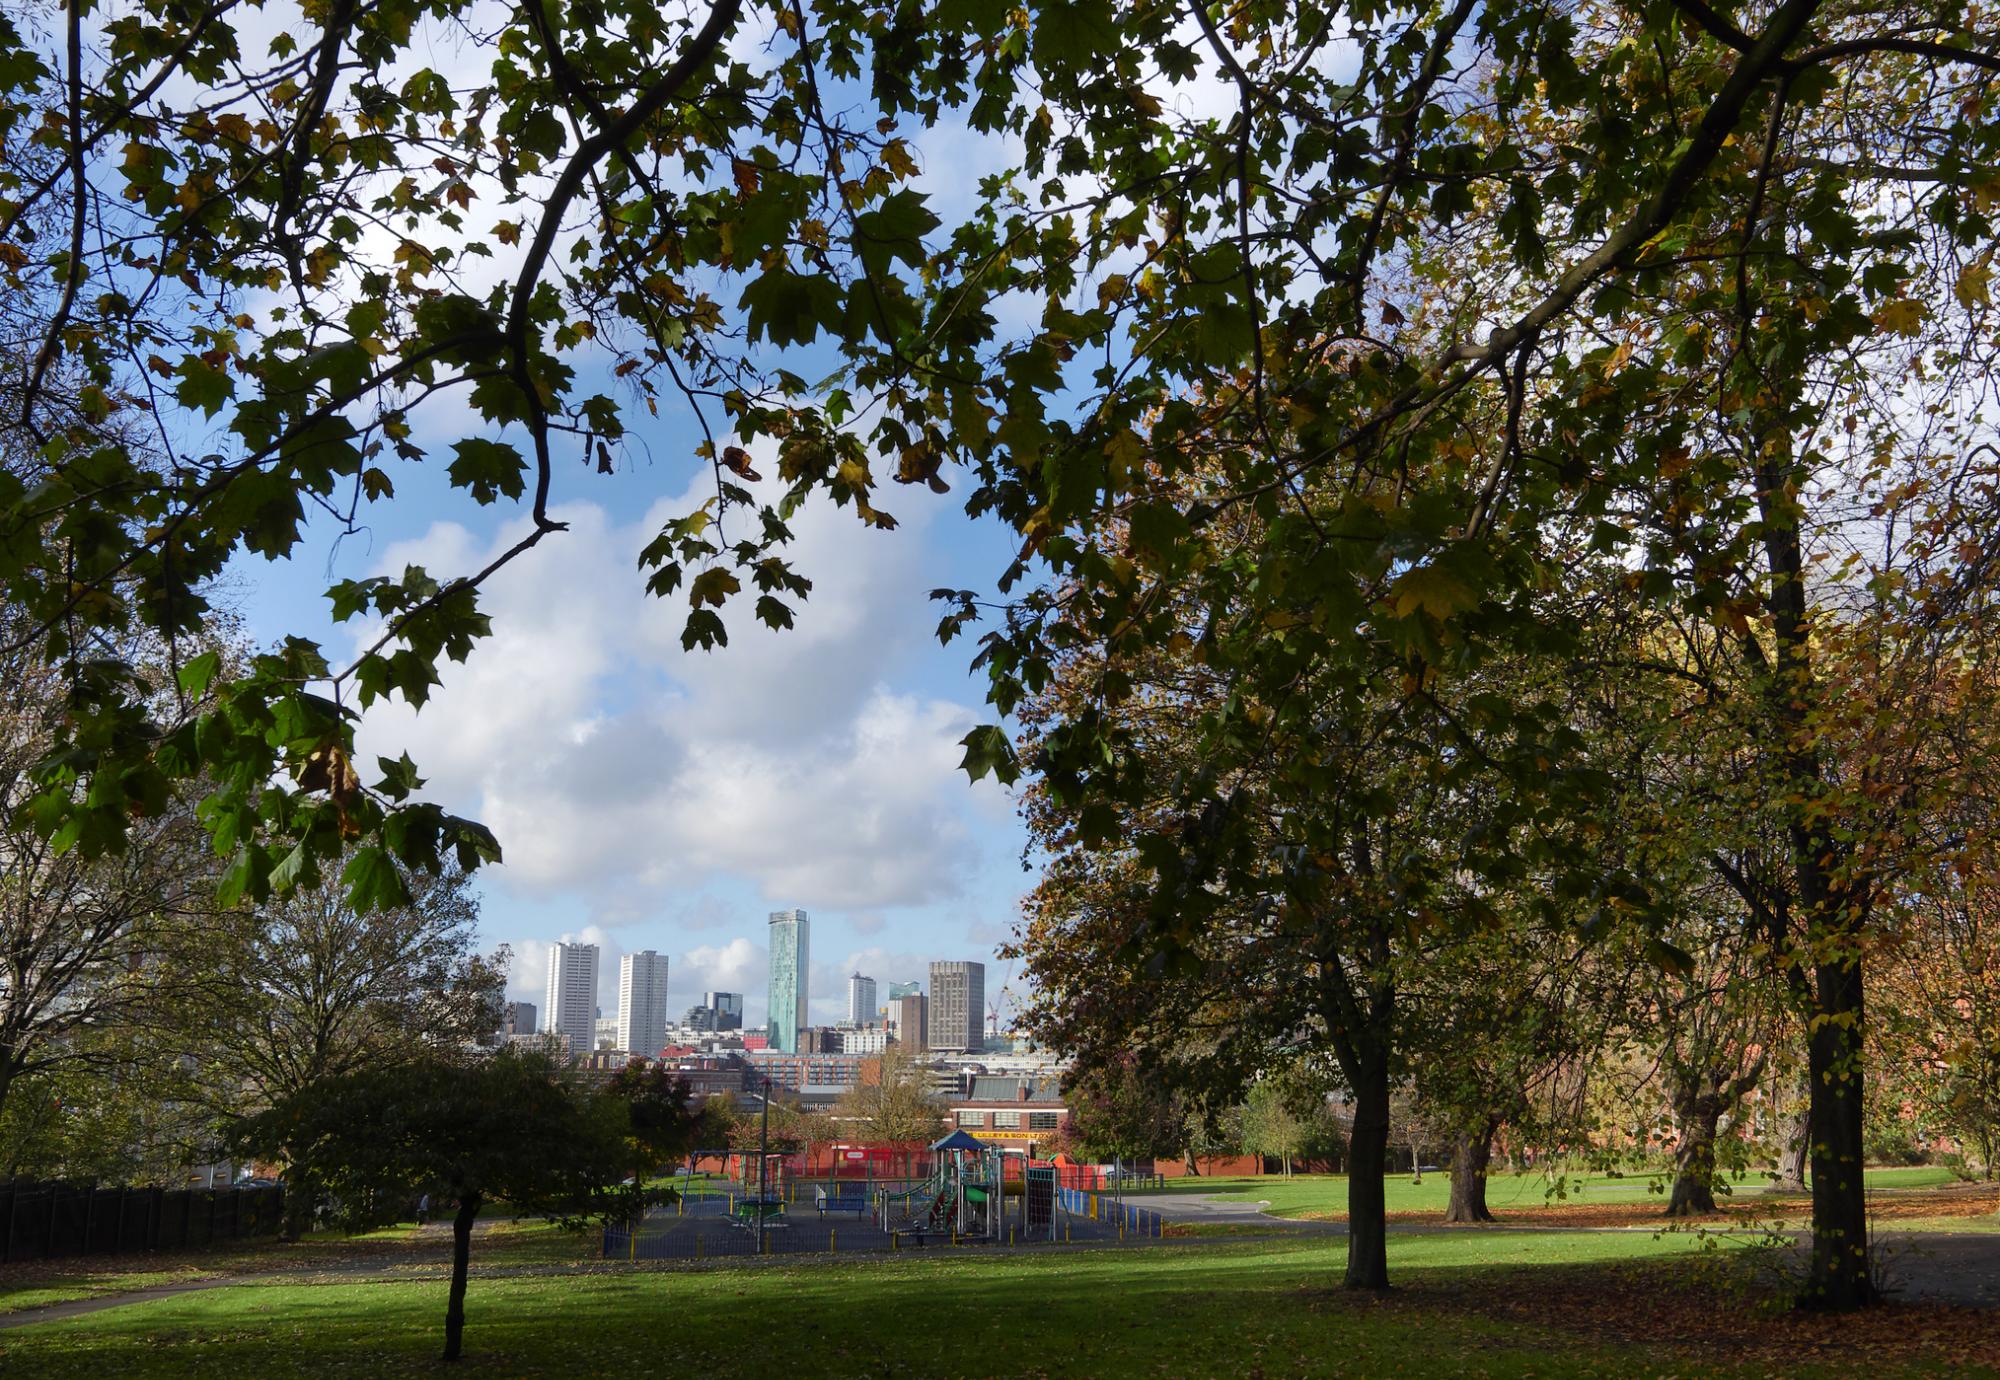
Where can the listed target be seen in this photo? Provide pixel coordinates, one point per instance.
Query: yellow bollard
(831, 1248)
(632, 1241)
(894, 1238)
(1065, 1231)
(1010, 1236)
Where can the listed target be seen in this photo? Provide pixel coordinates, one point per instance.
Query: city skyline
(745, 975)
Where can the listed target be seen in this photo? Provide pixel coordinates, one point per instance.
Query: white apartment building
(861, 1010)
(871, 1039)
(571, 1002)
(642, 1003)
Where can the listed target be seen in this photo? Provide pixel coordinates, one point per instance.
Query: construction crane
(1004, 996)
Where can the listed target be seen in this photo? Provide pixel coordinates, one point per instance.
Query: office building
(642, 1003)
(728, 1009)
(861, 1000)
(605, 1033)
(912, 1018)
(571, 1000)
(516, 1018)
(958, 1006)
(791, 964)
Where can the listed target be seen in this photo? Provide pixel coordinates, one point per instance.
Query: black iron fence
(38, 1221)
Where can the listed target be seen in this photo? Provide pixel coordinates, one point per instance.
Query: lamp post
(763, 1162)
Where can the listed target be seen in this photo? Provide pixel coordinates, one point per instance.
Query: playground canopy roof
(958, 1140)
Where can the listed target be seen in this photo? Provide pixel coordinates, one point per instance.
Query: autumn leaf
(713, 586)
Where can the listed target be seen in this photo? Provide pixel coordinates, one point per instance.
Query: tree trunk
(1840, 1277)
(1833, 909)
(1191, 1165)
(1471, 1157)
(461, 1258)
(1694, 1160)
(300, 1197)
(1367, 1168)
(1795, 1141)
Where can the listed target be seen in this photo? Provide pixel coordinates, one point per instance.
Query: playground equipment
(760, 1191)
(966, 1196)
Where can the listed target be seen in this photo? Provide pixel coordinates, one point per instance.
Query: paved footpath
(1204, 1207)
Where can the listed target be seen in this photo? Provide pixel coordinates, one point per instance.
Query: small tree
(1267, 1126)
(891, 1102)
(506, 1127)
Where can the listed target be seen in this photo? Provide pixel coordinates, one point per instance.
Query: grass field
(1325, 1195)
(1224, 1309)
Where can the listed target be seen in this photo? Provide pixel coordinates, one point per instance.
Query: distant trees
(280, 998)
(661, 1127)
(84, 941)
(1118, 1112)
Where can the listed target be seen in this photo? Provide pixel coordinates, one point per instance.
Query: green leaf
(488, 469)
(788, 308)
(203, 385)
(987, 750)
(292, 869)
(372, 880)
(199, 673)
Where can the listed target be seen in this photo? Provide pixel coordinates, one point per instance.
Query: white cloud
(621, 771)
(738, 966)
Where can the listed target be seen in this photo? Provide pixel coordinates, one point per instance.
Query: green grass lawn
(1327, 1193)
(32, 1293)
(500, 1243)
(1223, 1308)
(1227, 1309)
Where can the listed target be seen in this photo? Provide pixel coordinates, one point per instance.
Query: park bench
(841, 1198)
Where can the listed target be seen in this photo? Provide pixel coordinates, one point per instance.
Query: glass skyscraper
(791, 963)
